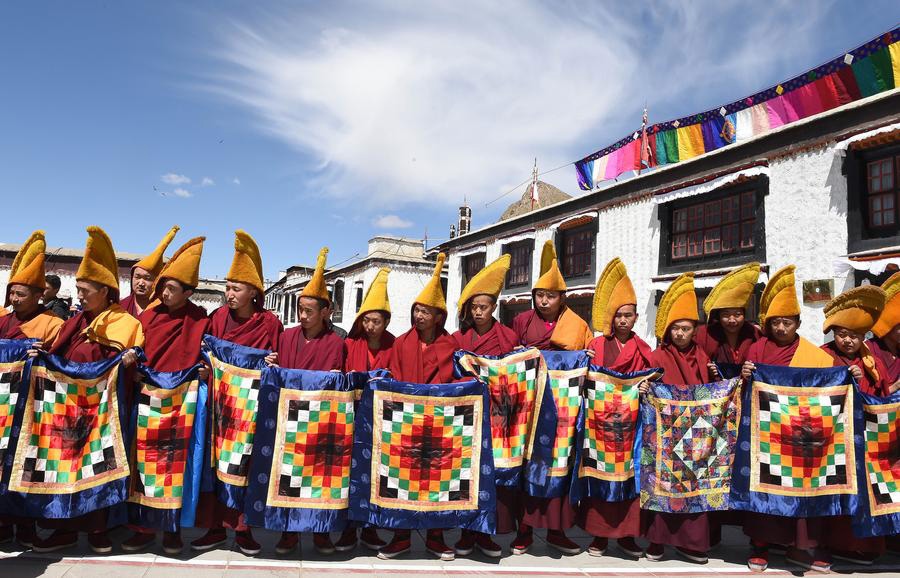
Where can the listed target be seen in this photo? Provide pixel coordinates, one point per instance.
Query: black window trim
(559, 239)
(506, 248)
(859, 238)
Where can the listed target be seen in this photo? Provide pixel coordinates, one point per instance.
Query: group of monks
(159, 316)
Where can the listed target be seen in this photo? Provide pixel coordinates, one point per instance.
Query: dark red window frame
(472, 264)
(722, 226)
(519, 273)
(883, 193)
(577, 248)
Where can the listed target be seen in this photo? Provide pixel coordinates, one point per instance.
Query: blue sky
(311, 124)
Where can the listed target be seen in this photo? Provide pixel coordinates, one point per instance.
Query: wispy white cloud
(236, 181)
(207, 182)
(175, 179)
(391, 222)
(179, 192)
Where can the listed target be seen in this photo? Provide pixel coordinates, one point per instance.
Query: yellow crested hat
(376, 298)
(433, 294)
(184, 265)
(890, 316)
(28, 266)
(779, 298)
(734, 290)
(247, 264)
(614, 289)
(488, 281)
(316, 286)
(855, 309)
(99, 263)
(155, 260)
(678, 302)
(550, 278)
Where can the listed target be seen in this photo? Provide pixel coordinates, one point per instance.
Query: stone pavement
(726, 559)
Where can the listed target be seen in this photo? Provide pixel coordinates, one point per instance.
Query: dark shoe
(861, 558)
(655, 552)
(213, 539)
(758, 561)
(522, 542)
(487, 546)
(371, 540)
(26, 534)
(560, 542)
(172, 544)
(58, 540)
(99, 542)
(598, 547)
(138, 541)
(434, 543)
(630, 548)
(6, 534)
(465, 544)
(693, 555)
(399, 545)
(246, 543)
(347, 541)
(322, 543)
(287, 543)
(817, 562)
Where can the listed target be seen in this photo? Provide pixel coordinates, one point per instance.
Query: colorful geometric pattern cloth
(10, 390)
(688, 446)
(516, 382)
(878, 513)
(422, 457)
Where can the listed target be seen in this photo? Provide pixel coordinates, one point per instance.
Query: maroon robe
(891, 362)
(498, 340)
(712, 339)
(10, 323)
(598, 517)
(130, 305)
(172, 340)
(413, 361)
(698, 532)
(324, 352)
(361, 358)
(867, 384)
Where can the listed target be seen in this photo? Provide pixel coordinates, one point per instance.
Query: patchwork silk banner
(169, 424)
(234, 396)
(300, 471)
(688, 443)
(606, 435)
(796, 452)
(878, 512)
(13, 386)
(422, 457)
(70, 456)
(552, 451)
(515, 382)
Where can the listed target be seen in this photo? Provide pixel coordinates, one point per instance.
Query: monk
(727, 335)
(312, 345)
(424, 354)
(244, 321)
(685, 365)
(619, 349)
(781, 345)
(885, 343)
(173, 334)
(143, 277)
(549, 325)
(101, 330)
(482, 334)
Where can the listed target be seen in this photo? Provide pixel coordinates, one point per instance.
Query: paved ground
(727, 559)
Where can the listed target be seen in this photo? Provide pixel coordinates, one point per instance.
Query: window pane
(679, 247)
(747, 234)
(711, 240)
(680, 220)
(730, 209)
(519, 265)
(578, 248)
(695, 244)
(748, 206)
(712, 213)
(729, 238)
(696, 217)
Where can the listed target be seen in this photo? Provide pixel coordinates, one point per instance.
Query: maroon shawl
(635, 355)
(712, 339)
(891, 362)
(682, 367)
(498, 340)
(261, 330)
(172, 340)
(413, 361)
(869, 385)
(324, 352)
(361, 358)
(73, 344)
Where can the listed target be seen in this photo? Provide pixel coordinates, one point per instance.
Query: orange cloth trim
(155, 260)
(809, 355)
(44, 327)
(115, 328)
(571, 332)
(99, 263)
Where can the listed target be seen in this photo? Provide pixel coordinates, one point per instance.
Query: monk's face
(93, 297)
(731, 319)
(846, 341)
(24, 299)
(426, 318)
(374, 324)
(174, 295)
(783, 330)
(481, 309)
(681, 333)
(141, 282)
(548, 303)
(239, 296)
(313, 313)
(623, 322)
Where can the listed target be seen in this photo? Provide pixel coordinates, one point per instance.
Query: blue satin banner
(14, 369)
(878, 513)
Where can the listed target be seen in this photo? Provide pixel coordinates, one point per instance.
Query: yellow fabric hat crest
(855, 309)
(433, 294)
(550, 279)
(488, 281)
(779, 298)
(614, 289)
(99, 263)
(316, 286)
(733, 290)
(28, 266)
(890, 316)
(155, 260)
(184, 266)
(247, 264)
(376, 298)
(678, 302)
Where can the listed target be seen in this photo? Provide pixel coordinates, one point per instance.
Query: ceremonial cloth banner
(552, 447)
(300, 470)
(70, 456)
(878, 513)
(422, 457)
(234, 395)
(687, 448)
(13, 383)
(796, 454)
(515, 382)
(169, 423)
(607, 433)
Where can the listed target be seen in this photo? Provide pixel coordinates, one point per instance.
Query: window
(720, 226)
(577, 248)
(519, 274)
(472, 264)
(359, 296)
(337, 301)
(873, 197)
(882, 192)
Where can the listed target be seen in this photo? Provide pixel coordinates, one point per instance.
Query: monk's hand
(714, 370)
(644, 387)
(589, 353)
(36, 347)
(203, 373)
(893, 388)
(272, 359)
(856, 372)
(747, 370)
(129, 358)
